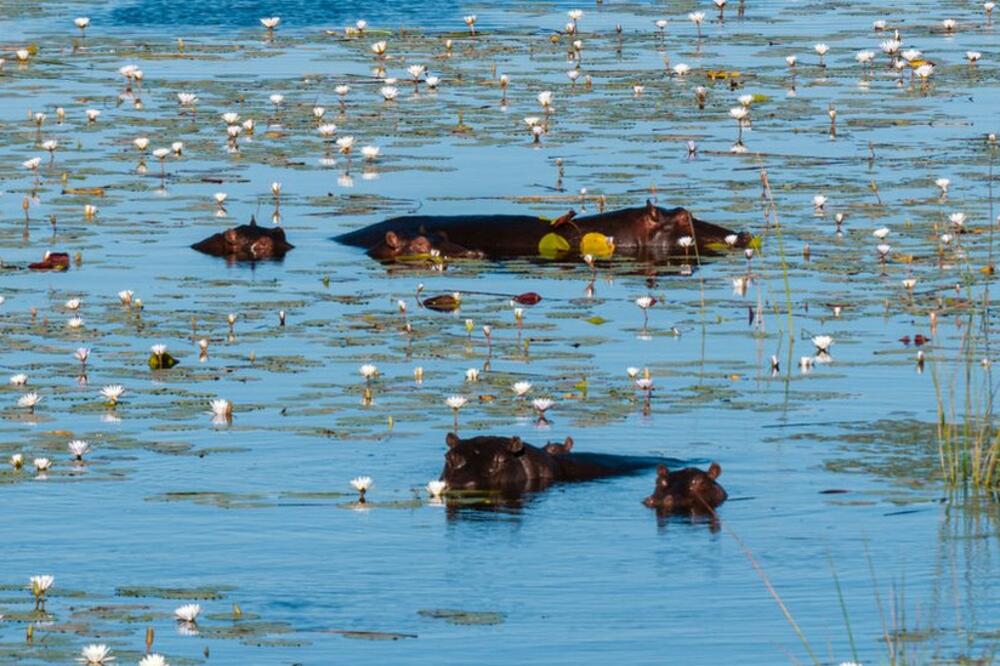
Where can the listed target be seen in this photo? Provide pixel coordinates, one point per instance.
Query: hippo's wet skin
(247, 242)
(648, 232)
(688, 490)
(511, 467)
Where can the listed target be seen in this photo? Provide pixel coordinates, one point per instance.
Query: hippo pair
(645, 233)
(511, 466)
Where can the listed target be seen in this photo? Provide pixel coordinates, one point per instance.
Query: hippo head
(663, 227)
(687, 490)
(486, 463)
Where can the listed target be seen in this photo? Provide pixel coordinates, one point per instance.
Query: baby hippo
(688, 490)
(395, 247)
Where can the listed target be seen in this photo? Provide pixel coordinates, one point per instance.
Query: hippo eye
(456, 461)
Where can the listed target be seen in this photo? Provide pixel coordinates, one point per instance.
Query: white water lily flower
(41, 584)
(78, 447)
(685, 242)
(681, 68)
(113, 393)
(948, 24)
(958, 219)
(125, 296)
(342, 90)
(973, 56)
(645, 302)
(370, 152)
(806, 363)
(17, 460)
(819, 202)
(368, 371)
(644, 384)
(433, 82)
(891, 46)
(41, 464)
(632, 372)
(72, 304)
(29, 400)
(141, 143)
(943, 184)
(883, 249)
(230, 117)
(389, 93)
(19, 379)
(435, 488)
(187, 98)
(270, 22)
(822, 342)
(821, 48)
(880, 24)
(739, 113)
(161, 153)
(221, 407)
(791, 60)
(82, 354)
(910, 283)
(345, 144)
(32, 164)
(542, 404)
(187, 612)
(75, 322)
(327, 130)
(521, 388)
(416, 71)
(545, 99)
(50, 145)
(378, 48)
(924, 71)
(472, 375)
(740, 285)
(95, 655)
(277, 99)
(456, 402)
(881, 233)
(696, 17)
(153, 660)
(362, 483)
(81, 22)
(864, 57)
(731, 239)
(158, 350)
(910, 55)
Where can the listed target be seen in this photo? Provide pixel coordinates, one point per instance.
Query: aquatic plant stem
(774, 593)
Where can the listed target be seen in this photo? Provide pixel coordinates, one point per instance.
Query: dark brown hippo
(511, 467)
(395, 247)
(648, 232)
(52, 261)
(688, 490)
(247, 242)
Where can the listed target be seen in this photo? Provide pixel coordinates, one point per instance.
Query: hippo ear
(392, 240)
(714, 470)
(451, 439)
(568, 445)
(253, 220)
(515, 445)
(650, 208)
(662, 472)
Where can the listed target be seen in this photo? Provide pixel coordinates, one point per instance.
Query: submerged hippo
(395, 247)
(648, 232)
(52, 261)
(688, 490)
(247, 242)
(510, 466)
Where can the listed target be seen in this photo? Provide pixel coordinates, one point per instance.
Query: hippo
(247, 242)
(687, 490)
(510, 466)
(395, 247)
(647, 232)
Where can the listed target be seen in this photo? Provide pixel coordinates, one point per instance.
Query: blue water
(582, 573)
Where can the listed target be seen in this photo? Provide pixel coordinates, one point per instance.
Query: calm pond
(862, 519)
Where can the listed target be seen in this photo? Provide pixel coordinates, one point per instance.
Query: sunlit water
(580, 574)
